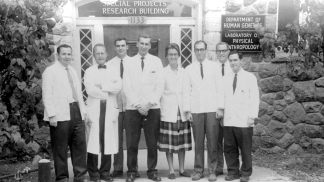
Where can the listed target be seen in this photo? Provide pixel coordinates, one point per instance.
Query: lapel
(137, 63)
(205, 71)
(179, 79)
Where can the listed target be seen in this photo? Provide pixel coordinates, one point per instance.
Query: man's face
(144, 45)
(200, 51)
(64, 57)
(100, 55)
(235, 62)
(121, 48)
(222, 53)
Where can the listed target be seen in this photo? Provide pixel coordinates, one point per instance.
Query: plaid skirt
(175, 137)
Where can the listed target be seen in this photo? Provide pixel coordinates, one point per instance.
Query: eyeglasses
(173, 55)
(200, 50)
(222, 51)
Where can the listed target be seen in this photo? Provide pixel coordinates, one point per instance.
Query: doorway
(160, 38)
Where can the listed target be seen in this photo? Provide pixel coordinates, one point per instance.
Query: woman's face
(173, 56)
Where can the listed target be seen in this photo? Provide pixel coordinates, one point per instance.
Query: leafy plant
(25, 51)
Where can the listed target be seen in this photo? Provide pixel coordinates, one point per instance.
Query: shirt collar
(61, 65)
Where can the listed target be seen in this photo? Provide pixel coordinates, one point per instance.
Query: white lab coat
(203, 95)
(244, 103)
(171, 99)
(111, 85)
(55, 84)
(141, 87)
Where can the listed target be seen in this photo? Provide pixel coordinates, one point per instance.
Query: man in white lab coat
(66, 113)
(222, 50)
(241, 108)
(102, 83)
(203, 103)
(143, 85)
(118, 62)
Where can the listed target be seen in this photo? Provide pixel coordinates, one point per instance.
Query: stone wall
(291, 105)
(215, 9)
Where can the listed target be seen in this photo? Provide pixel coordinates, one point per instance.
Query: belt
(103, 101)
(74, 104)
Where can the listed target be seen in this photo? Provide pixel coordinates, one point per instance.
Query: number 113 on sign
(136, 20)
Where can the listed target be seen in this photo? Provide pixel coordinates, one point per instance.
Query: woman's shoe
(171, 176)
(185, 174)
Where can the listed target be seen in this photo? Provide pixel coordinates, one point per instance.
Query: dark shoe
(130, 178)
(106, 180)
(218, 173)
(92, 181)
(244, 179)
(171, 176)
(154, 177)
(116, 174)
(231, 178)
(185, 174)
(137, 175)
(197, 176)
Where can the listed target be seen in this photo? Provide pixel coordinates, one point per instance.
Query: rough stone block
(248, 2)
(319, 82)
(305, 142)
(312, 131)
(279, 116)
(282, 70)
(287, 84)
(273, 150)
(270, 110)
(319, 94)
(276, 129)
(295, 149)
(264, 120)
(296, 113)
(266, 70)
(271, 97)
(315, 119)
(272, 7)
(289, 127)
(257, 58)
(233, 5)
(312, 107)
(304, 91)
(318, 145)
(286, 140)
(253, 67)
(290, 97)
(260, 130)
(263, 108)
(272, 84)
(247, 11)
(268, 142)
(279, 105)
(261, 6)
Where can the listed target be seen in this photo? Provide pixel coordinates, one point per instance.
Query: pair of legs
(236, 138)
(181, 156)
(119, 157)
(69, 134)
(92, 162)
(134, 122)
(220, 152)
(205, 125)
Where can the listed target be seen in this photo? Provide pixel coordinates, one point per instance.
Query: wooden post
(44, 170)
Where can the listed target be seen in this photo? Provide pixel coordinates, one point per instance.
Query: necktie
(201, 71)
(222, 69)
(102, 66)
(142, 63)
(234, 83)
(121, 68)
(75, 96)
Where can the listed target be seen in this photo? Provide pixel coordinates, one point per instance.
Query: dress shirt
(227, 67)
(143, 86)
(202, 95)
(69, 91)
(121, 99)
(242, 104)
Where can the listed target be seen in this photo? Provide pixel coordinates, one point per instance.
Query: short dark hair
(172, 46)
(222, 43)
(98, 45)
(200, 41)
(120, 39)
(58, 50)
(240, 55)
(145, 36)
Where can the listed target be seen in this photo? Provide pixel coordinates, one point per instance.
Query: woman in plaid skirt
(175, 130)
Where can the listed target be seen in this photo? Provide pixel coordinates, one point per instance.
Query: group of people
(217, 100)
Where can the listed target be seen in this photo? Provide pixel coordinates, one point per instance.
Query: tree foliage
(26, 48)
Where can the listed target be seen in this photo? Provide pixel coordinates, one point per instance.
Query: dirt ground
(304, 167)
